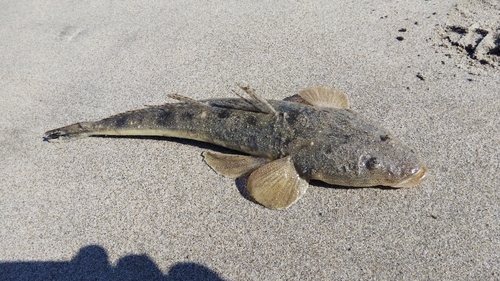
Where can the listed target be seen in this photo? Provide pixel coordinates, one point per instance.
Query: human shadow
(91, 263)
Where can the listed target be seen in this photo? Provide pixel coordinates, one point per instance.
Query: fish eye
(372, 163)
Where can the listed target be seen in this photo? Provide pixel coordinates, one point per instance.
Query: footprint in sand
(473, 33)
(70, 33)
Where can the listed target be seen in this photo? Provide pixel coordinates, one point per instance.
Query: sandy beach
(151, 209)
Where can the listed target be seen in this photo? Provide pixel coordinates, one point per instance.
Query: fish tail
(77, 130)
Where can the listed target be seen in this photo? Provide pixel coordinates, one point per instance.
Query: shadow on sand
(91, 263)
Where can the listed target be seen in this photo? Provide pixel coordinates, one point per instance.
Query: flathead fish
(310, 136)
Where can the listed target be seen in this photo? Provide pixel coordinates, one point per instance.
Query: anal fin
(277, 185)
(233, 166)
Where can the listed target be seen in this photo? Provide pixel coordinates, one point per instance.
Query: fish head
(392, 164)
(378, 160)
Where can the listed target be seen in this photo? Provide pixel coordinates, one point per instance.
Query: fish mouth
(415, 179)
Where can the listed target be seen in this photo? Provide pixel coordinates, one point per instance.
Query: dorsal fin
(185, 99)
(256, 104)
(325, 97)
(237, 104)
(244, 103)
(257, 101)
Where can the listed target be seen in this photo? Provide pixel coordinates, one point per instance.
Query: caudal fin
(78, 130)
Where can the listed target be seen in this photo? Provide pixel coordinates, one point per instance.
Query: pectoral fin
(233, 166)
(277, 185)
(325, 97)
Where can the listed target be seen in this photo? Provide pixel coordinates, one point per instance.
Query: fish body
(312, 136)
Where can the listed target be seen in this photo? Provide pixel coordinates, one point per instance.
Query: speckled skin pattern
(328, 144)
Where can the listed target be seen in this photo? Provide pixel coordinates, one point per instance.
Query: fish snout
(416, 177)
